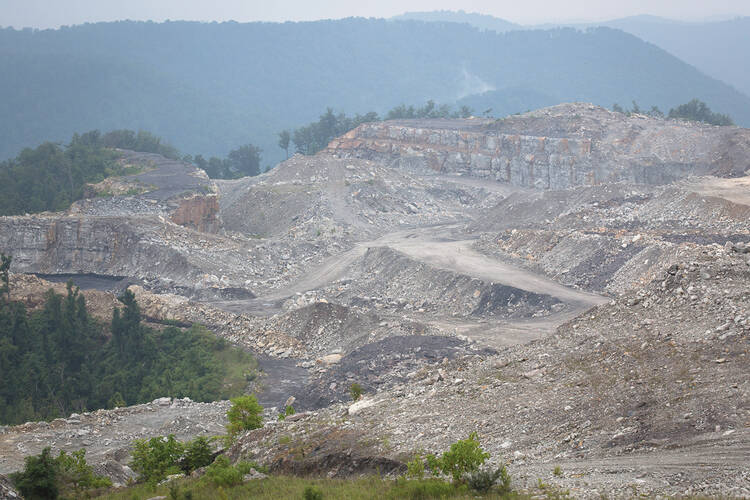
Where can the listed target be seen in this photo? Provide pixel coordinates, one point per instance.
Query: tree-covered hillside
(207, 87)
(714, 47)
(59, 360)
(51, 176)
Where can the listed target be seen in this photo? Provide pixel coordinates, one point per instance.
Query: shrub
(245, 467)
(289, 410)
(464, 457)
(245, 414)
(197, 454)
(38, 480)
(156, 458)
(45, 477)
(75, 473)
(222, 473)
(355, 390)
(312, 493)
(415, 468)
(484, 479)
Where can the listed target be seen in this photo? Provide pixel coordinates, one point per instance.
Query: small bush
(355, 391)
(222, 473)
(245, 414)
(197, 454)
(484, 479)
(312, 493)
(557, 471)
(289, 410)
(245, 467)
(38, 480)
(45, 477)
(415, 468)
(464, 457)
(156, 458)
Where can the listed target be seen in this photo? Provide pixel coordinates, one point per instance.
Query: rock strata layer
(578, 144)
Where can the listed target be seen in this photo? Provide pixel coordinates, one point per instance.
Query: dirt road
(436, 247)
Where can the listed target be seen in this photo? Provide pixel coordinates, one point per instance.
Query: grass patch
(278, 487)
(240, 369)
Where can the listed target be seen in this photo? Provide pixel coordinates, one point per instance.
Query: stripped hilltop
(571, 283)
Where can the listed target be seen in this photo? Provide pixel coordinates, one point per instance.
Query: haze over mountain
(209, 87)
(714, 47)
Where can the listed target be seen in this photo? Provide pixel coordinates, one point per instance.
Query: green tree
(38, 480)
(73, 473)
(244, 161)
(127, 331)
(5, 261)
(197, 454)
(284, 138)
(57, 360)
(656, 112)
(116, 401)
(156, 458)
(465, 456)
(699, 111)
(52, 176)
(244, 414)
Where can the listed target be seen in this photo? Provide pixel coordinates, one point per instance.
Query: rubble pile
(107, 435)
(629, 396)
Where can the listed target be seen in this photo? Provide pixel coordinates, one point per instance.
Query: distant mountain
(717, 48)
(209, 87)
(481, 21)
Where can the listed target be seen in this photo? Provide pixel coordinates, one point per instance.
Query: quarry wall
(521, 160)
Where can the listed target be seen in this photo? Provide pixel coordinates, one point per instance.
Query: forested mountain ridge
(206, 88)
(710, 46)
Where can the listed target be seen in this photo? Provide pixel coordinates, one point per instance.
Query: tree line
(52, 176)
(58, 359)
(315, 136)
(695, 110)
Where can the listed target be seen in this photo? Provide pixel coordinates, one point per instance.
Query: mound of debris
(107, 435)
(648, 393)
(386, 279)
(612, 237)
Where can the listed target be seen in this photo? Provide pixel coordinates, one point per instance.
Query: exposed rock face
(555, 148)
(100, 245)
(199, 213)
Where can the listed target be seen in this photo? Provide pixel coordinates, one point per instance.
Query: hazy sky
(53, 13)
